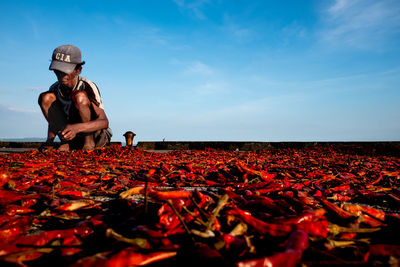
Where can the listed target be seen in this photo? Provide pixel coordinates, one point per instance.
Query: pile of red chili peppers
(121, 206)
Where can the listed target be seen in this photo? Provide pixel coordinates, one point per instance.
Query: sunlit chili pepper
(357, 209)
(68, 237)
(262, 227)
(337, 189)
(79, 192)
(4, 178)
(12, 210)
(14, 228)
(130, 257)
(336, 210)
(298, 242)
(308, 216)
(164, 195)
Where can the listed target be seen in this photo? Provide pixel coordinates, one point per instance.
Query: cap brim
(62, 66)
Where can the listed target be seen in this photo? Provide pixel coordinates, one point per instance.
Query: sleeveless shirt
(84, 84)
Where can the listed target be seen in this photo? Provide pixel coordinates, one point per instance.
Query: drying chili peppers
(120, 206)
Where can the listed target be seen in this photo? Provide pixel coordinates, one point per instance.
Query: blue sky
(213, 70)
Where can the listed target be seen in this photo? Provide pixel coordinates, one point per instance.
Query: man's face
(68, 80)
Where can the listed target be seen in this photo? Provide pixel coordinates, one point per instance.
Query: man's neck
(66, 90)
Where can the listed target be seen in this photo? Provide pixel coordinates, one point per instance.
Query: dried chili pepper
(260, 226)
(164, 195)
(336, 210)
(4, 178)
(357, 209)
(297, 243)
(15, 228)
(131, 257)
(12, 210)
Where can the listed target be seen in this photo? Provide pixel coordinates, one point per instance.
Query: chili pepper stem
(198, 220)
(146, 193)
(38, 250)
(336, 229)
(140, 242)
(202, 212)
(221, 202)
(169, 202)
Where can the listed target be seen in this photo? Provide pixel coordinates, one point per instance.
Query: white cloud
(236, 30)
(340, 5)
(294, 30)
(152, 35)
(256, 108)
(365, 24)
(36, 89)
(193, 6)
(198, 67)
(211, 88)
(18, 109)
(18, 122)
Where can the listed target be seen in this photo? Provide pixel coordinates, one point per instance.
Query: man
(73, 106)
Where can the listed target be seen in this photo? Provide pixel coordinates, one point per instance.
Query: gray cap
(65, 58)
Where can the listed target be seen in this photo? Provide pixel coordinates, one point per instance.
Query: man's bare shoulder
(89, 82)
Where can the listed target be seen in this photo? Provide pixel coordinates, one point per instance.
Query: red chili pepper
(16, 227)
(167, 217)
(20, 257)
(373, 196)
(211, 183)
(28, 202)
(308, 216)
(341, 198)
(307, 199)
(4, 178)
(65, 252)
(263, 174)
(371, 221)
(67, 235)
(273, 187)
(288, 194)
(70, 193)
(12, 210)
(317, 228)
(394, 198)
(151, 172)
(357, 209)
(266, 202)
(200, 198)
(336, 210)
(7, 197)
(348, 235)
(234, 241)
(130, 257)
(164, 195)
(4, 219)
(385, 250)
(150, 232)
(376, 181)
(337, 189)
(262, 227)
(297, 243)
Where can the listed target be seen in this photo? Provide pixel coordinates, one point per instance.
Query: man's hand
(70, 131)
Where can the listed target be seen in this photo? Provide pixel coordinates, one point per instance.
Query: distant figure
(129, 137)
(72, 106)
(163, 139)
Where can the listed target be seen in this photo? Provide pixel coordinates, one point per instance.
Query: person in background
(72, 106)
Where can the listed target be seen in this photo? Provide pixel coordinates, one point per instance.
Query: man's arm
(101, 122)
